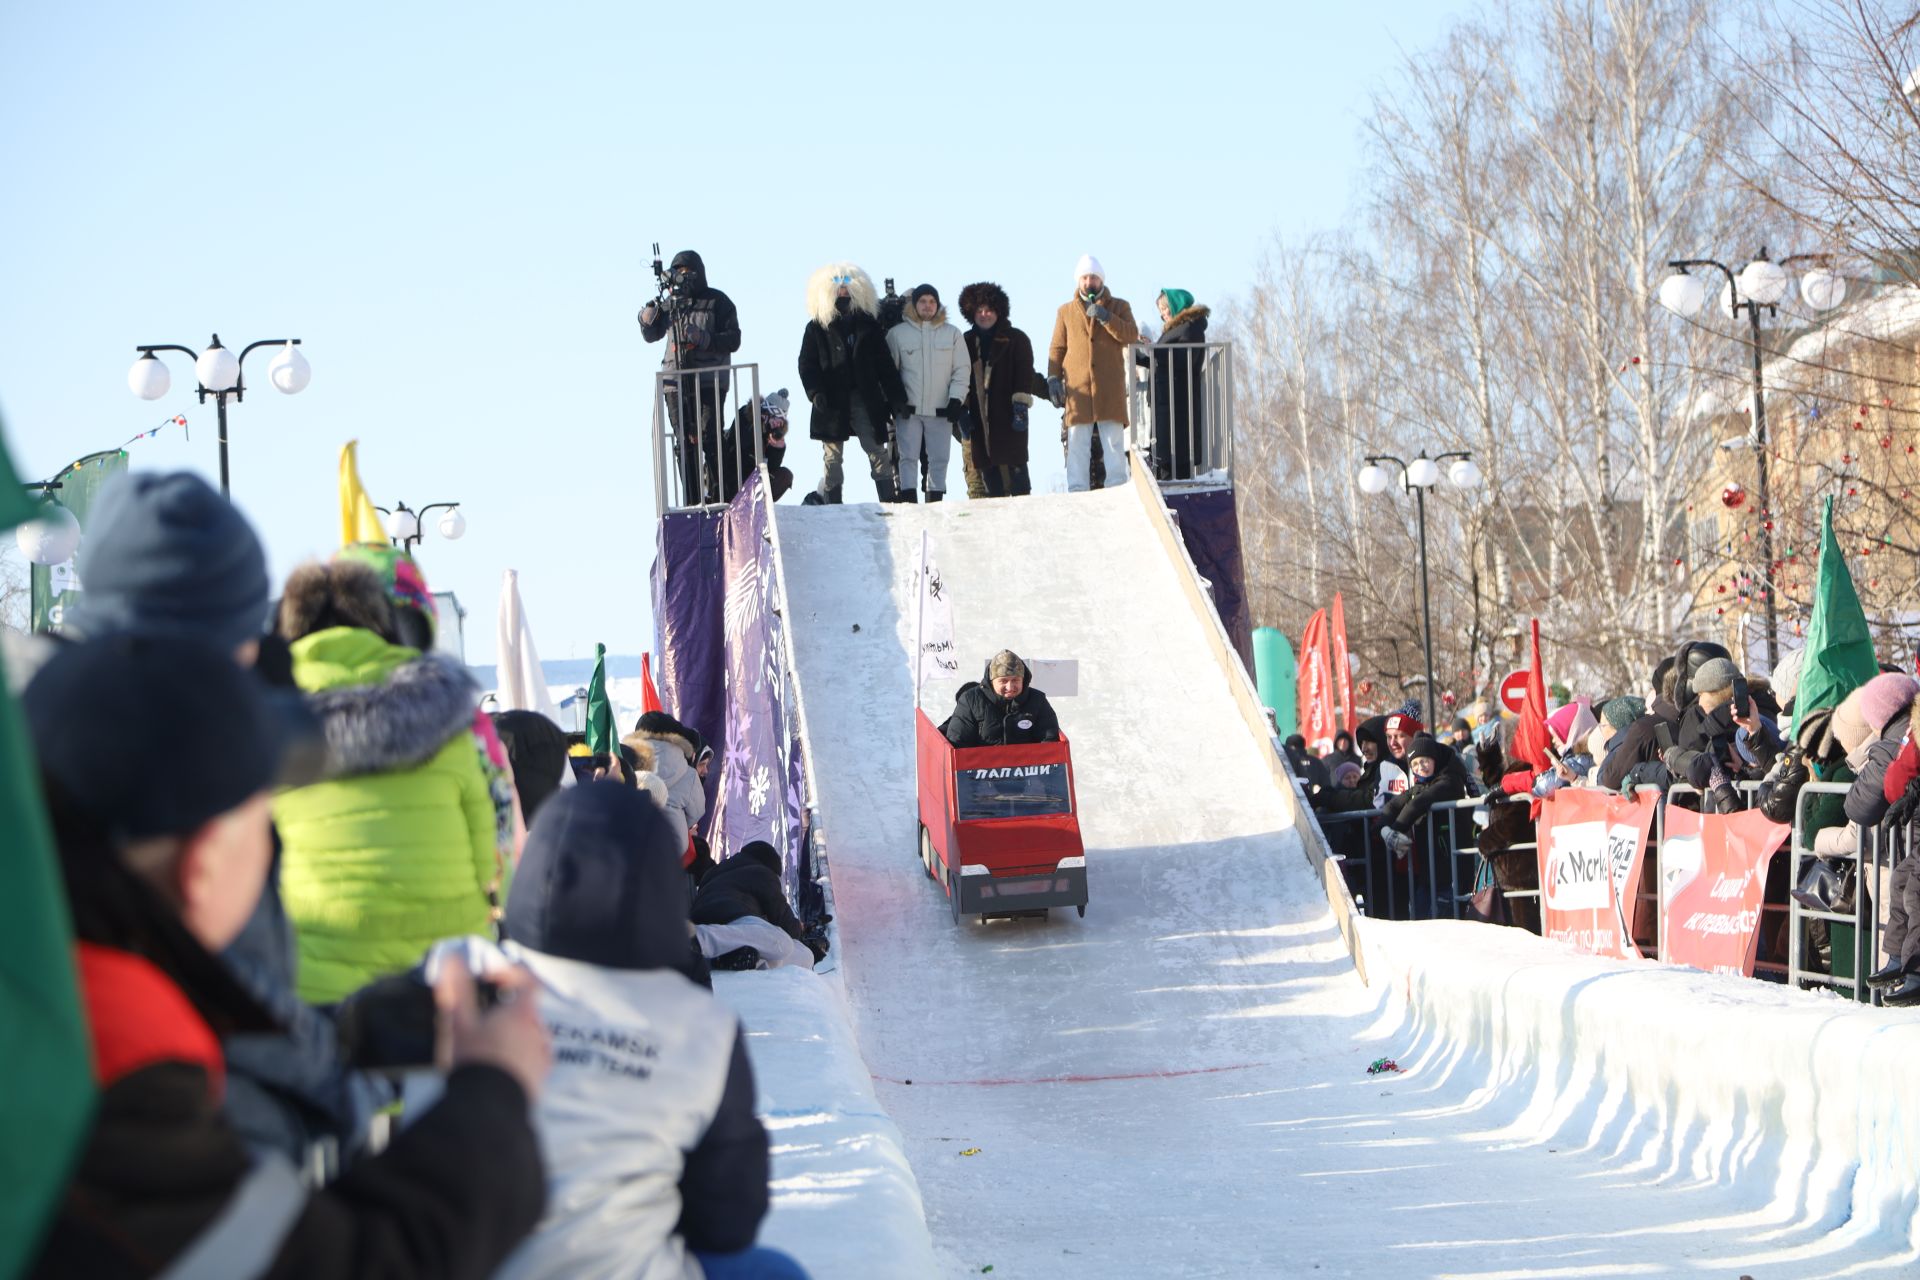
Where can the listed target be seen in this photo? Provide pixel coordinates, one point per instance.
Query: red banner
(1314, 692)
(1530, 737)
(1592, 846)
(1713, 873)
(1343, 669)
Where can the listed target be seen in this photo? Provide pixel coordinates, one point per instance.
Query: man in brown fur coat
(1087, 373)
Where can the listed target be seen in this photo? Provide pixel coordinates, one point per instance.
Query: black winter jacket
(747, 884)
(702, 317)
(1179, 393)
(1406, 811)
(982, 718)
(451, 1196)
(846, 359)
(1638, 745)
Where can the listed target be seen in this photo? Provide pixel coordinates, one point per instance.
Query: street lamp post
(1765, 284)
(219, 372)
(406, 527)
(1418, 476)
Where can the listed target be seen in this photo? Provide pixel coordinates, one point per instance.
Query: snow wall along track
(1176, 1084)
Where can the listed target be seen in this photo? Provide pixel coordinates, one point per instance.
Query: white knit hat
(1088, 266)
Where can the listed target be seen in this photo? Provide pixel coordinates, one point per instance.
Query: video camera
(662, 280)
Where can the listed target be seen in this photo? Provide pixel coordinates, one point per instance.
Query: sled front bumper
(983, 893)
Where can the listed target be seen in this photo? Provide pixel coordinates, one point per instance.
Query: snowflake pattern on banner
(758, 794)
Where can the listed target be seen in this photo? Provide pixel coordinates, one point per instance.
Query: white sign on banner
(1578, 875)
(937, 661)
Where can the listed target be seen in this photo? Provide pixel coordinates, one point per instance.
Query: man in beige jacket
(1087, 373)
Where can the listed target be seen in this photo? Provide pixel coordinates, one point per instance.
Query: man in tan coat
(1087, 372)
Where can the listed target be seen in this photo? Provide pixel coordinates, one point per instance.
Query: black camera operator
(704, 331)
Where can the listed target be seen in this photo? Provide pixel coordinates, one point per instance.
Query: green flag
(43, 1032)
(601, 739)
(56, 587)
(1839, 644)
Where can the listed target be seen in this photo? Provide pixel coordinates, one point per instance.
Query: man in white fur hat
(1087, 372)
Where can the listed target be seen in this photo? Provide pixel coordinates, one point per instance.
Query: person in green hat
(1178, 400)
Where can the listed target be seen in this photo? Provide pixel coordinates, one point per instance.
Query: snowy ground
(1176, 1085)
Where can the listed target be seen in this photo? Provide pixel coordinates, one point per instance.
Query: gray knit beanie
(1786, 676)
(166, 555)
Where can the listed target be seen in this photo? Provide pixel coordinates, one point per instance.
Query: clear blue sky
(452, 206)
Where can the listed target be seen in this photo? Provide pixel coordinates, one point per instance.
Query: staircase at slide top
(1175, 1084)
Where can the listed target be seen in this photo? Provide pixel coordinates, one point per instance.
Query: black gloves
(1900, 813)
(953, 410)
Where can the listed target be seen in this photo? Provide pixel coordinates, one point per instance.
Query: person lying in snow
(740, 907)
(1002, 708)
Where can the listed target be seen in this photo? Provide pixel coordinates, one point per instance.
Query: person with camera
(157, 758)
(1087, 373)
(932, 357)
(705, 332)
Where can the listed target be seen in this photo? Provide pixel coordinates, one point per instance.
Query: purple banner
(759, 779)
(1211, 530)
(687, 625)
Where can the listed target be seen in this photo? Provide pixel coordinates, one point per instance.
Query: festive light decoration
(1733, 496)
(178, 419)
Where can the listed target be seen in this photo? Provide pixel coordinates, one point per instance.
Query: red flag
(649, 696)
(1342, 669)
(1530, 739)
(1314, 691)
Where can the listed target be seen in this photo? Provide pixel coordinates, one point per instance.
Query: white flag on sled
(938, 662)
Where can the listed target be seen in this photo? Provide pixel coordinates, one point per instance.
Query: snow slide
(1176, 1084)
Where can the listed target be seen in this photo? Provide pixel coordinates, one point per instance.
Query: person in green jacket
(396, 848)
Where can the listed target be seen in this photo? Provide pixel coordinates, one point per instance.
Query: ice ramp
(1207, 921)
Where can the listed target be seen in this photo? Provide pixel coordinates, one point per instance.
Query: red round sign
(1513, 692)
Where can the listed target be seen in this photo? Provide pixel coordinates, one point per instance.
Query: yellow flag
(359, 522)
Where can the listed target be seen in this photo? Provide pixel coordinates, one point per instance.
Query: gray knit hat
(166, 555)
(1714, 675)
(1786, 676)
(1622, 712)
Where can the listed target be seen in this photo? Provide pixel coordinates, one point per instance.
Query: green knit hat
(1178, 300)
(1622, 712)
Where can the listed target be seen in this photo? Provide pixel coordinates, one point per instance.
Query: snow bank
(1686, 1076)
(843, 1195)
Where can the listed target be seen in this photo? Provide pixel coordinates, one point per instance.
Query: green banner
(56, 587)
(48, 1055)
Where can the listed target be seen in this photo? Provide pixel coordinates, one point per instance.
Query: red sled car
(997, 825)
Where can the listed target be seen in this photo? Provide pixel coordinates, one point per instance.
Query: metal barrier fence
(707, 435)
(1388, 887)
(1181, 410)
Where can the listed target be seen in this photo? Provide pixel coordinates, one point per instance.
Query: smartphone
(1742, 702)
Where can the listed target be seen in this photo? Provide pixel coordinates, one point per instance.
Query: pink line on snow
(1082, 1079)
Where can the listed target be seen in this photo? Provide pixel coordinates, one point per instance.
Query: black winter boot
(1891, 976)
(737, 960)
(1907, 993)
(814, 498)
(935, 495)
(907, 496)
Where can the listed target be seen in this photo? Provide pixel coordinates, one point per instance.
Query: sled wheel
(1082, 909)
(926, 854)
(953, 893)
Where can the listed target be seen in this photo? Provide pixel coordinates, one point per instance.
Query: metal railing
(1182, 411)
(1863, 918)
(707, 435)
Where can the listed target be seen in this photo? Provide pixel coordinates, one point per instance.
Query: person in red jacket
(156, 757)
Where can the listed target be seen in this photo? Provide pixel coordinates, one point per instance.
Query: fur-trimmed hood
(1195, 314)
(821, 291)
(399, 722)
(659, 727)
(983, 293)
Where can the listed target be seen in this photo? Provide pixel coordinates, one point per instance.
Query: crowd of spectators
(1704, 734)
(376, 983)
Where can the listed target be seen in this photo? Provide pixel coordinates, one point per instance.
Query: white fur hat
(1088, 266)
